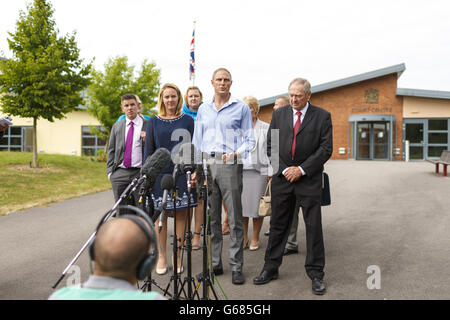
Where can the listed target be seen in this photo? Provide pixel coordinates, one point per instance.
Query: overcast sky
(264, 44)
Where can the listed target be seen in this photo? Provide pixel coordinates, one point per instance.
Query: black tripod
(204, 278)
(175, 279)
(189, 280)
(146, 202)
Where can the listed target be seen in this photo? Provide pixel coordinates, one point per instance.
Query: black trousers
(283, 204)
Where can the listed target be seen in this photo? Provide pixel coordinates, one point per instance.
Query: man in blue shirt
(224, 130)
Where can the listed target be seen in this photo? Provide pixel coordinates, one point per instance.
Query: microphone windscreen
(154, 165)
(167, 182)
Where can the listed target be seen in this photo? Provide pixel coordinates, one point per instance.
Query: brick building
(372, 117)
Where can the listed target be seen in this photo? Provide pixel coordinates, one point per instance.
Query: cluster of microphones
(186, 160)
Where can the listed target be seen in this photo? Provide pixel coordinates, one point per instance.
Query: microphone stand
(188, 244)
(146, 204)
(175, 277)
(132, 186)
(205, 277)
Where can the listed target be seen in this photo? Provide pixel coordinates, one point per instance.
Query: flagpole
(192, 57)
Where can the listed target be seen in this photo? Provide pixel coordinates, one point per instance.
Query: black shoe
(267, 233)
(265, 277)
(318, 286)
(237, 277)
(218, 271)
(289, 251)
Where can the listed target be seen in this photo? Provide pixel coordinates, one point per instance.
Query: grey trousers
(227, 185)
(120, 179)
(292, 243)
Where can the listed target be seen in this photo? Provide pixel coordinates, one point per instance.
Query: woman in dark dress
(160, 134)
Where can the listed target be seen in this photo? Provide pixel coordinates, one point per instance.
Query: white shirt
(136, 152)
(302, 116)
(303, 111)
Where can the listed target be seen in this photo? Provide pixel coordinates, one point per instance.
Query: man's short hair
(129, 96)
(221, 69)
(121, 259)
(304, 82)
(284, 99)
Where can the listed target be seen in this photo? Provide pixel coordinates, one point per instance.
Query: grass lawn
(59, 177)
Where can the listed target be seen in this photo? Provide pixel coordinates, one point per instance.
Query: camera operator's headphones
(148, 263)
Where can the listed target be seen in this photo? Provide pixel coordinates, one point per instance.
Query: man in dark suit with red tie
(305, 143)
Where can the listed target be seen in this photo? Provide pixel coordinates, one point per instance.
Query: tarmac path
(391, 217)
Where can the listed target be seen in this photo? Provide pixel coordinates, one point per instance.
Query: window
(437, 124)
(90, 144)
(17, 138)
(438, 137)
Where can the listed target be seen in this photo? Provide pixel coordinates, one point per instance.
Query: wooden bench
(444, 160)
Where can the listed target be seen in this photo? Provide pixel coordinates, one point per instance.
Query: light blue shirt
(104, 288)
(229, 129)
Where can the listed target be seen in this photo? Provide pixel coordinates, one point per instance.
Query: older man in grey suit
(125, 149)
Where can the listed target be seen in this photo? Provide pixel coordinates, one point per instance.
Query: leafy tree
(118, 79)
(46, 75)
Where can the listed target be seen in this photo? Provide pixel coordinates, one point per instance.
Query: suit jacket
(314, 146)
(116, 145)
(258, 155)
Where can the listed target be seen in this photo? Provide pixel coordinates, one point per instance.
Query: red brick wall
(350, 100)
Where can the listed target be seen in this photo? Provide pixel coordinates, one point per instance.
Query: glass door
(414, 133)
(380, 140)
(363, 141)
(372, 141)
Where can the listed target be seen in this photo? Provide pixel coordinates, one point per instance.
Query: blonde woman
(159, 135)
(254, 176)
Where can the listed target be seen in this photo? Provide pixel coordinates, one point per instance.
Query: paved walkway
(388, 216)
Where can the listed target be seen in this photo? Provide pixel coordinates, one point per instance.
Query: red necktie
(296, 128)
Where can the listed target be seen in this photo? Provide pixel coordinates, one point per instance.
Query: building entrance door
(372, 141)
(414, 133)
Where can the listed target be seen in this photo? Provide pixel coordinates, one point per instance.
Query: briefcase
(326, 196)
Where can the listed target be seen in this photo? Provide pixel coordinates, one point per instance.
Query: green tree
(119, 78)
(46, 75)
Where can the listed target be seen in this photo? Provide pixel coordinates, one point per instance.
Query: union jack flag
(192, 57)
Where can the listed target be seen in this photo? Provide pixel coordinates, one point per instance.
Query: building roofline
(398, 69)
(435, 94)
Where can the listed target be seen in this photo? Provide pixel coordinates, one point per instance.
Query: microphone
(204, 174)
(167, 184)
(154, 165)
(188, 162)
(151, 169)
